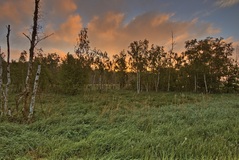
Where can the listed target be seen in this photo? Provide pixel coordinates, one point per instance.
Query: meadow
(125, 125)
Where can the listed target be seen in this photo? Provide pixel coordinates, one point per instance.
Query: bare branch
(43, 39)
(27, 37)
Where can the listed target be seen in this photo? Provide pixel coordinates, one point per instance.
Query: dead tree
(27, 94)
(7, 109)
(170, 62)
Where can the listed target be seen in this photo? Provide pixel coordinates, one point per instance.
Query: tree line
(205, 66)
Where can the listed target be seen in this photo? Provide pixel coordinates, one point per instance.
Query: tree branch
(43, 39)
(27, 37)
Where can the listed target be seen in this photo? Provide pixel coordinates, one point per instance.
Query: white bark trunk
(31, 109)
(7, 109)
(138, 82)
(195, 83)
(169, 79)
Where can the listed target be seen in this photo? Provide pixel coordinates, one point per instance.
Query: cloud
(109, 33)
(113, 25)
(59, 8)
(67, 31)
(64, 37)
(226, 3)
(15, 12)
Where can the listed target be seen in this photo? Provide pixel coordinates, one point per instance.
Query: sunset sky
(113, 24)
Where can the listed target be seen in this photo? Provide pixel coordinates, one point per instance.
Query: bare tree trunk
(157, 84)
(205, 82)
(195, 83)
(138, 82)
(34, 40)
(33, 43)
(170, 63)
(93, 82)
(169, 78)
(7, 109)
(31, 111)
(100, 83)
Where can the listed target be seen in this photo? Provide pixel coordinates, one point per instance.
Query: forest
(206, 66)
(145, 102)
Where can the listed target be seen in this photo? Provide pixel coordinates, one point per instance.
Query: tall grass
(124, 125)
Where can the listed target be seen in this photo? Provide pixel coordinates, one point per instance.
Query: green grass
(124, 125)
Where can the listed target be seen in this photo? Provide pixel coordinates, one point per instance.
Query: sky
(114, 24)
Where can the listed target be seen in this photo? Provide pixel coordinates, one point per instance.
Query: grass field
(124, 125)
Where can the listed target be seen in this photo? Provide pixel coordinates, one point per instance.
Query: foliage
(209, 58)
(73, 75)
(120, 62)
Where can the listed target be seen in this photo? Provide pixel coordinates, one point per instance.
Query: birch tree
(7, 109)
(34, 39)
(102, 65)
(138, 55)
(210, 60)
(120, 67)
(157, 60)
(32, 104)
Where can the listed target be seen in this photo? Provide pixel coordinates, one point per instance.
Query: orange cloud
(68, 31)
(66, 6)
(108, 28)
(15, 11)
(160, 19)
(64, 37)
(109, 33)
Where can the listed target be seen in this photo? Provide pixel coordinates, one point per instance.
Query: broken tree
(28, 95)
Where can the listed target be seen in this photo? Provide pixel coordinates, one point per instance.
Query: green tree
(138, 55)
(209, 61)
(73, 75)
(156, 61)
(120, 67)
(102, 65)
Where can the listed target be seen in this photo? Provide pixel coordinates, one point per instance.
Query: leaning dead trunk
(31, 111)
